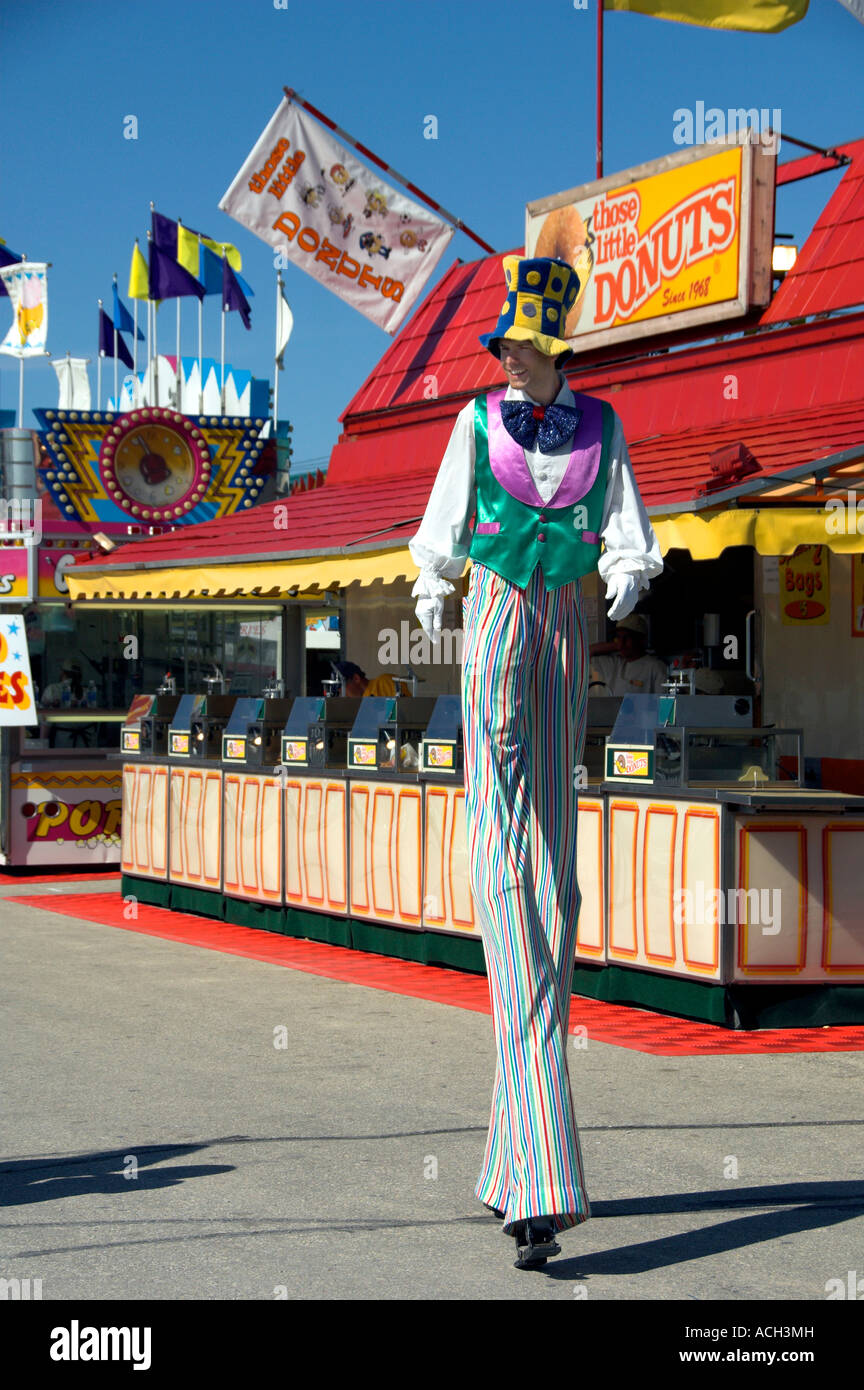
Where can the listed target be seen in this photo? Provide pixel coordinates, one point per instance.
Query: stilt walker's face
(529, 370)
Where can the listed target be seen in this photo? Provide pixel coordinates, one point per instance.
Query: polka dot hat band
(540, 293)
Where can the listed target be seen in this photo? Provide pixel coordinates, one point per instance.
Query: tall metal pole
(116, 402)
(222, 395)
(599, 89)
(276, 358)
(99, 362)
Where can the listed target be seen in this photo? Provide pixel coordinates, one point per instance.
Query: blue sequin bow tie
(550, 426)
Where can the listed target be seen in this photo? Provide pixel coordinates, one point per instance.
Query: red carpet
(23, 878)
(618, 1024)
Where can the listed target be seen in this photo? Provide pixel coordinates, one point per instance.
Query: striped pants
(524, 688)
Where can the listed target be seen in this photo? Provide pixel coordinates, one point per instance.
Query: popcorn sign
(17, 700)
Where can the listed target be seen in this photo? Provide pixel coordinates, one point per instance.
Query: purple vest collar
(509, 465)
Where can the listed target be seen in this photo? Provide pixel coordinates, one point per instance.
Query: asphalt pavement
(190, 1125)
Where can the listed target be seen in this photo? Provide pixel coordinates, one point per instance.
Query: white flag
(27, 287)
(309, 198)
(74, 383)
(284, 326)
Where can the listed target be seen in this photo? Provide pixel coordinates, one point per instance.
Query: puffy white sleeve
(440, 547)
(631, 547)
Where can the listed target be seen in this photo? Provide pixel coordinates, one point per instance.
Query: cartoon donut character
(341, 219)
(340, 176)
(311, 194)
(373, 244)
(410, 238)
(565, 237)
(376, 204)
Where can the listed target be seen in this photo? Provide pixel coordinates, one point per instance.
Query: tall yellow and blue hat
(540, 294)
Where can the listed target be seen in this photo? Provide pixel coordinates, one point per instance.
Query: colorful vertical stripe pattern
(524, 691)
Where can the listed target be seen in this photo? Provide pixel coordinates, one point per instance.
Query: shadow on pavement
(807, 1207)
(48, 1179)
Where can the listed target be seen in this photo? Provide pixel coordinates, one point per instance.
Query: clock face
(155, 464)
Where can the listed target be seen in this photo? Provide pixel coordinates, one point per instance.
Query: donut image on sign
(565, 237)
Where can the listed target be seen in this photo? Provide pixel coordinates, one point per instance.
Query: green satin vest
(526, 536)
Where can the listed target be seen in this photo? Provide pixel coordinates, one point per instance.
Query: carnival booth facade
(721, 817)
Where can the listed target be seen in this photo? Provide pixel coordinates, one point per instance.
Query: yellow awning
(269, 579)
(771, 531)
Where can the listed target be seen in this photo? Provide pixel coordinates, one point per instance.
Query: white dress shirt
(440, 547)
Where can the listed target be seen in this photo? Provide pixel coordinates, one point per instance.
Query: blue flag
(210, 273)
(123, 320)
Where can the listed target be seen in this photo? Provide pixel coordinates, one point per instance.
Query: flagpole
(179, 225)
(392, 173)
(222, 396)
(599, 89)
(279, 283)
(21, 392)
(134, 350)
(115, 356)
(99, 362)
(155, 357)
(200, 356)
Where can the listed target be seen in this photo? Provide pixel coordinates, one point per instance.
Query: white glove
(622, 593)
(430, 590)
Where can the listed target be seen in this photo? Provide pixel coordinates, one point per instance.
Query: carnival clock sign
(155, 464)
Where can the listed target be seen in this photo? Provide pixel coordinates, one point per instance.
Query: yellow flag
(756, 16)
(139, 279)
(187, 249)
(233, 255)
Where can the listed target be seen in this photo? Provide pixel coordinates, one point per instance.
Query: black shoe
(535, 1242)
(495, 1211)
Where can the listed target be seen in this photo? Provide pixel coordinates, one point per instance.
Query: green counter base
(728, 1006)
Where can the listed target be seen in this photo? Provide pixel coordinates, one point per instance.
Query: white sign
(17, 700)
(306, 196)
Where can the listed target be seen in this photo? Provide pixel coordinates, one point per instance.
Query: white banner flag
(307, 197)
(74, 383)
(27, 287)
(284, 327)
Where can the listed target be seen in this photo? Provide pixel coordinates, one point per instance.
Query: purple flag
(168, 279)
(164, 233)
(106, 340)
(232, 295)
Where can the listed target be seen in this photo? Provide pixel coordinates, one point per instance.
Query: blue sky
(511, 84)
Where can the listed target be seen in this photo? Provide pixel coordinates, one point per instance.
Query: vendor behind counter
(623, 666)
(357, 683)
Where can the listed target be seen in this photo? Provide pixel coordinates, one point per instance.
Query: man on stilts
(537, 488)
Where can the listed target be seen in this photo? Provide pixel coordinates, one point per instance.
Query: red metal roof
(829, 272)
(324, 520)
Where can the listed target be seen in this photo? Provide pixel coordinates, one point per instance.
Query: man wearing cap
(536, 487)
(627, 669)
(357, 683)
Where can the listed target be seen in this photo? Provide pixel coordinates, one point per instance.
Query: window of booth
(99, 659)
